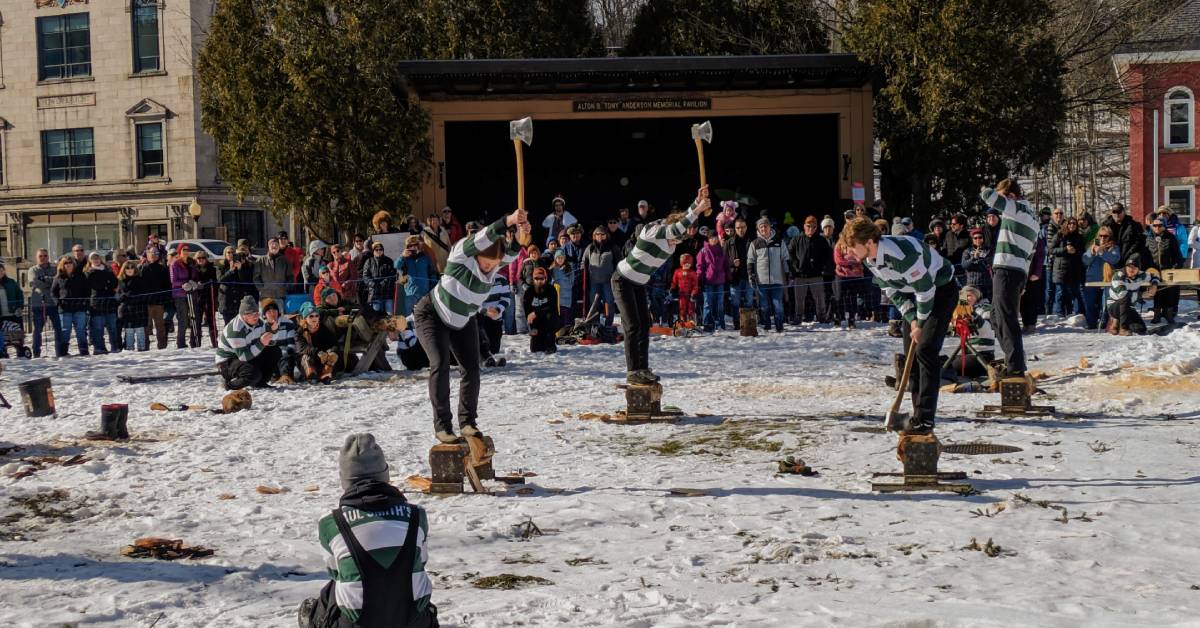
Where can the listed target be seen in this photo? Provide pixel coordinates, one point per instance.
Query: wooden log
(919, 453)
(643, 400)
(748, 321)
(479, 456)
(446, 464)
(1014, 392)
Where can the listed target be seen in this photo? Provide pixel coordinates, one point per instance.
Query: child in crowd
(685, 285)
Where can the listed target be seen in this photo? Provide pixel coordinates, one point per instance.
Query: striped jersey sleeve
(1124, 287)
(653, 248)
(1017, 240)
(500, 296)
(464, 287)
(381, 533)
(909, 272)
(239, 341)
(984, 338)
(284, 336)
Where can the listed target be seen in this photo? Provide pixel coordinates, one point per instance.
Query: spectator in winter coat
(12, 301)
(533, 260)
(558, 220)
(317, 347)
(272, 272)
(1098, 264)
(417, 272)
(452, 226)
(345, 273)
(282, 349)
(726, 220)
(131, 308)
(976, 263)
(437, 241)
(313, 263)
(295, 258)
(152, 242)
(599, 259)
(1067, 250)
(936, 234)
(157, 282)
(541, 313)
(379, 280)
(42, 303)
(1130, 239)
(685, 286)
(811, 260)
(325, 280)
(956, 240)
(712, 267)
(847, 284)
(382, 223)
(1050, 231)
(1164, 255)
(375, 546)
(1129, 285)
(977, 313)
(562, 277)
(102, 305)
(991, 228)
(236, 283)
(766, 264)
(737, 247)
(183, 283)
(1174, 227)
(239, 356)
(72, 293)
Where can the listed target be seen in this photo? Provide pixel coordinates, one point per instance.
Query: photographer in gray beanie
(374, 551)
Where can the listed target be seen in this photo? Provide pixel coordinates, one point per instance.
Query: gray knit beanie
(763, 221)
(248, 306)
(361, 459)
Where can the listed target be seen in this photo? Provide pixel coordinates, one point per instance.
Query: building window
(145, 36)
(1182, 200)
(244, 223)
(149, 150)
(1181, 115)
(59, 239)
(68, 155)
(64, 47)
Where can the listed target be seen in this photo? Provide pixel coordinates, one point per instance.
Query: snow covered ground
(1096, 516)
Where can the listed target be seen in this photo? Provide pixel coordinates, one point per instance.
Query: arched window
(1180, 128)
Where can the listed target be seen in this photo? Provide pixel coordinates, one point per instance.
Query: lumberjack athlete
(921, 285)
(654, 245)
(445, 320)
(1015, 245)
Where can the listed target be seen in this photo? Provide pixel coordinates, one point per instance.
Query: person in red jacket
(293, 255)
(686, 286)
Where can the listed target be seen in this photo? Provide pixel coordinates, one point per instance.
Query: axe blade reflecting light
(521, 130)
(703, 131)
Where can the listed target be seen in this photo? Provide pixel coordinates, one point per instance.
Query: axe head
(702, 131)
(521, 130)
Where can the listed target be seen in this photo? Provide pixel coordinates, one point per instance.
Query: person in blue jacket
(418, 274)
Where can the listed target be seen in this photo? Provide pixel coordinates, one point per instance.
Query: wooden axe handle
(703, 171)
(902, 385)
(520, 173)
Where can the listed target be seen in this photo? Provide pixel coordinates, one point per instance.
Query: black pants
(493, 331)
(281, 362)
(253, 374)
(1007, 309)
(543, 341)
(1166, 303)
(927, 366)
(440, 341)
(1127, 316)
(635, 321)
(1033, 301)
(186, 327)
(846, 291)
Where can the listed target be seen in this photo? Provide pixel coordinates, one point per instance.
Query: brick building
(1160, 70)
(100, 140)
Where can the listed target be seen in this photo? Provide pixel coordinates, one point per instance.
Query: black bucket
(38, 397)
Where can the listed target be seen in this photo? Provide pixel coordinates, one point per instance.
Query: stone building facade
(100, 138)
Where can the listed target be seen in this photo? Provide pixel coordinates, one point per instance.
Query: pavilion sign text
(641, 104)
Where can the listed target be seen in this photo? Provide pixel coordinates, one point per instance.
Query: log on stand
(919, 454)
(643, 404)
(452, 463)
(1015, 399)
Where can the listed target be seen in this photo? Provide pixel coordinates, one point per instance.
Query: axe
(521, 131)
(702, 133)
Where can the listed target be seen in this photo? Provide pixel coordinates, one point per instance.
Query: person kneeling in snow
(283, 342)
(541, 311)
(974, 317)
(240, 357)
(409, 350)
(375, 550)
(1129, 285)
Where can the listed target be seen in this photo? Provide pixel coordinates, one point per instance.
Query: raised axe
(893, 421)
(521, 132)
(702, 133)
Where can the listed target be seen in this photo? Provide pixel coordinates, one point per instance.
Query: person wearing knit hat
(318, 351)
(325, 281)
(766, 265)
(541, 312)
(239, 356)
(827, 227)
(417, 272)
(685, 287)
(1129, 284)
(375, 541)
(282, 348)
(811, 260)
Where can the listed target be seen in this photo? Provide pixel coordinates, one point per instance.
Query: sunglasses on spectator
(377, 248)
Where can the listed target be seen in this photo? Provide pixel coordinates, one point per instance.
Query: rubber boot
(109, 416)
(123, 421)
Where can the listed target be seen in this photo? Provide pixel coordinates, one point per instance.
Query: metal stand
(643, 404)
(1014, 399)
(919, 455)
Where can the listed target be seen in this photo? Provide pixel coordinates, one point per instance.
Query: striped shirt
(984, 339)
(499, 297)
(1019, 228)
(240, 341)
(464, 287)
(653, 248)
(909, 272)
(1124, 287)
(284, 335)
(381, 533)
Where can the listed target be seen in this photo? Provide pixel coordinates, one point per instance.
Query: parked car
(214, 248)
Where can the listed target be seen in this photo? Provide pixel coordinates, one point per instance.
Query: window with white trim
(1182, 200)
(1180, 127)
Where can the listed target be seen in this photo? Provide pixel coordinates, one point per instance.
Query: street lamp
(194, 210)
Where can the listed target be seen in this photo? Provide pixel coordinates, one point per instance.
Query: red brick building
(1160, 70)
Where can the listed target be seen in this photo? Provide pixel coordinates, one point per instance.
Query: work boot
(285, 380)
(327, 374)
(1112, 326)
(470, 429)
(123, 422)
(447, 437)
(304, 614)
(109, 416)
(490, 362)
(913, 426)
(639, 378)
(651, 375)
